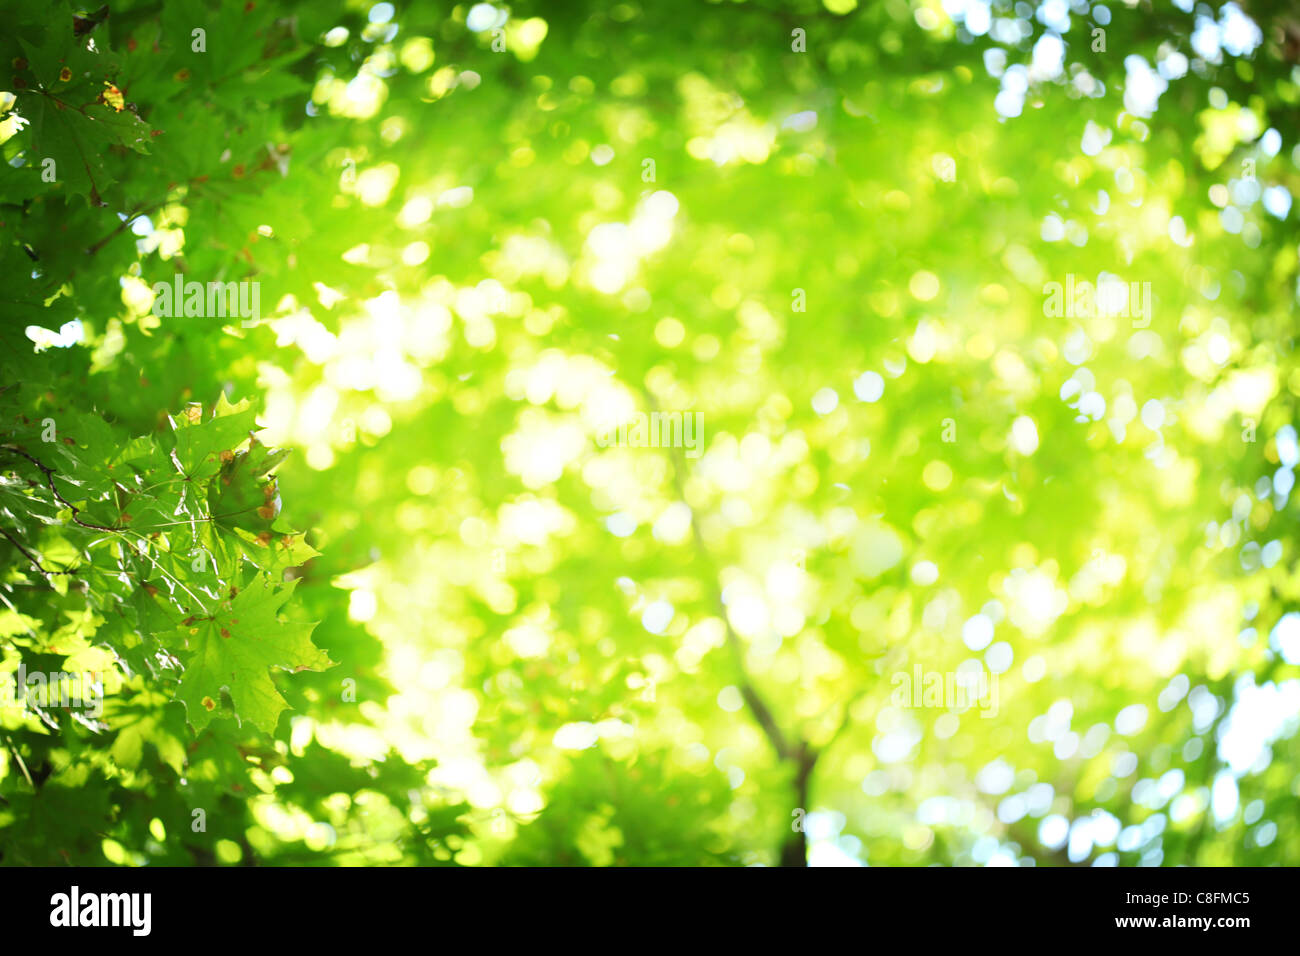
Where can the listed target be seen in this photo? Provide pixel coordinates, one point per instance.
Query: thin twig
(32, 558)
(21, 765)
(49, 479)
(762, 713)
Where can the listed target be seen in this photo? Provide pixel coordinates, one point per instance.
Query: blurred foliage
(459, 626)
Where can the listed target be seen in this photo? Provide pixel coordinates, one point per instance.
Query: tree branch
(49, 480)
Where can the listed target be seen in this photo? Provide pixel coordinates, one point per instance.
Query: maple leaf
(199, 443)
(243, 496)
(270, 552)
(234, 649)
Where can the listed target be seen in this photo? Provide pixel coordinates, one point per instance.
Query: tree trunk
(794, 852)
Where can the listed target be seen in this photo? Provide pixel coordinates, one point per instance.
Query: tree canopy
(689, 433)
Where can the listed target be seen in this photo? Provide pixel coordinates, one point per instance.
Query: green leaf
(234, 650)
(200, 443)
(242, 496)
(78, 138)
